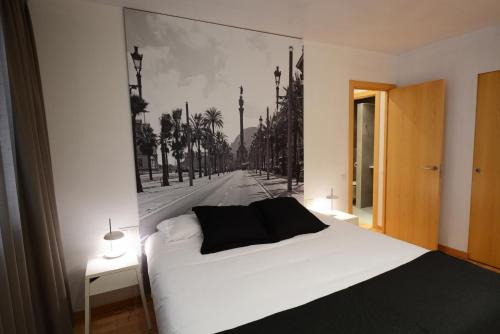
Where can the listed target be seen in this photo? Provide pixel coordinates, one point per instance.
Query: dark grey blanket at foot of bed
(434, 293)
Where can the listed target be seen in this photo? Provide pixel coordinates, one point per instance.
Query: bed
(317, 282)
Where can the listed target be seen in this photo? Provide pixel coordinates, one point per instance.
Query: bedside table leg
(143, 297)
(87, 306)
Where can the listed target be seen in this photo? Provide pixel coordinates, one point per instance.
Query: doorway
(408, 141)
(363, 153)
(367, 114)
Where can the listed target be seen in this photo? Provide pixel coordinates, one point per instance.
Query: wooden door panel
(414, 152)
(484, 228)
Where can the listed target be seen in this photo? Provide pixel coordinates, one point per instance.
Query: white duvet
(198, 294)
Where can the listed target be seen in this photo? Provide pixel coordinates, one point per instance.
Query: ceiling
(389, 26)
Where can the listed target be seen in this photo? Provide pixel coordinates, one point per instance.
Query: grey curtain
(34, 294)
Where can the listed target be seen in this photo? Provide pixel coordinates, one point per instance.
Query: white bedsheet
(198, 294)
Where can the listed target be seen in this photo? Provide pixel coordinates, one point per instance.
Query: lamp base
(113, 255)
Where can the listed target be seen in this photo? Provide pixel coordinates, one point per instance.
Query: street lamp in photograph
(277, 78)
(267, 142)
(137, 60)
(260, 146)
(289, 120)
(189, 153)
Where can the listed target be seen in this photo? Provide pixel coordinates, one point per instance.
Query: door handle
(434, 168)
(477, 170)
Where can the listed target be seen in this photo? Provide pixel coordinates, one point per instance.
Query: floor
(364, 216)
(485, 266)
(121, 318)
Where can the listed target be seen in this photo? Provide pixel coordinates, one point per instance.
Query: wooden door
(484, 228)
(415, 124)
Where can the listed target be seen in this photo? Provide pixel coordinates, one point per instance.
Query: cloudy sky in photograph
(205, 64)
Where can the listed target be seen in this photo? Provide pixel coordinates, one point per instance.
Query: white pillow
(180, 228)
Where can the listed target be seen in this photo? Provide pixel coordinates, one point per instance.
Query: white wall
(328, 69)
(82, 61)
(83, 67)
(81, 52)
(458, 61)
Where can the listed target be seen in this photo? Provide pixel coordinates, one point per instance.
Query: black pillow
(227, 227)
(285, 217)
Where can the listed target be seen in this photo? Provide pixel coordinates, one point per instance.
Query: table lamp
(115, 243)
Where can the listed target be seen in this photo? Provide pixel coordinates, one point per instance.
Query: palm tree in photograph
(147, 145)
(197, 136)
(220, 139)
(137, 106)
(226, 156)
(259, 140)
(213, 119)
(188, 163)
(281, 133)
(297, 126)
(208, 144)
(206, 136)
(253, 157)
(272, 141)
(263, 144)
(166, 123)
(178, 142)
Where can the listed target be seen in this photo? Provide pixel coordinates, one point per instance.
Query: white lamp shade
(115, 244)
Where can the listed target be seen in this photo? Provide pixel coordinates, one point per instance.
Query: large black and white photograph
(216, 113)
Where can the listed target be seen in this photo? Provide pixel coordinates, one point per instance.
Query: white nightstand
(105, 275)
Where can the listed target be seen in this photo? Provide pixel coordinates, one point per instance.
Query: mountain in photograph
(247, 136)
